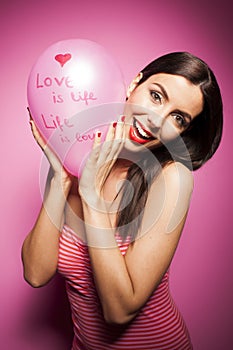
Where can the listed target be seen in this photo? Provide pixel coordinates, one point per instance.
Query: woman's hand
(59, 173)
(100, 163)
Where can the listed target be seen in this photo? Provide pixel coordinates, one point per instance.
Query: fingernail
(99, 134)
(114, 124)
(123, 118)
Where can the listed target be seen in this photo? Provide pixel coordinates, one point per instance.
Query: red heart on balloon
(62, 59)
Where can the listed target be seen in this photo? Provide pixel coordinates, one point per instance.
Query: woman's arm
(40, 248)
(124, 284)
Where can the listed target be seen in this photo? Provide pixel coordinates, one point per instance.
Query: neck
(123, 163)
(126, 157)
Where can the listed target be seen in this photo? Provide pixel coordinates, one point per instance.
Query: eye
(180, 120)
(156, 96)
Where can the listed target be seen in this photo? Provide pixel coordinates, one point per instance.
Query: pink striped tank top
(157, 326)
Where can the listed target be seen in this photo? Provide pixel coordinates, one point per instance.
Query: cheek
(168, 132)
(138, 97)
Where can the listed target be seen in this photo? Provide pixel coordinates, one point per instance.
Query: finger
(107, 144)
(113, 143)
(39, 139)
(120, 127)
(37, 135)
(97, 139)
(30, 115)
(94, 155)
(115, 129)
(111, 131)
(119, 139)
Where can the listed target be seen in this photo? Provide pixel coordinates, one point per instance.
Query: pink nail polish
(123, 118)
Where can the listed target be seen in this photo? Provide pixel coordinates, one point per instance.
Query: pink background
(135, 32)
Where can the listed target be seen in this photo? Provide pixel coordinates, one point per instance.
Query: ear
(134, 84)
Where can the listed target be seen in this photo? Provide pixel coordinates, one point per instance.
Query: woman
(113, 235)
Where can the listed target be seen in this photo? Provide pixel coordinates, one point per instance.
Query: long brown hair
(193, 148)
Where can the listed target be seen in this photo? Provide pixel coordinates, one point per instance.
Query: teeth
(141, 131)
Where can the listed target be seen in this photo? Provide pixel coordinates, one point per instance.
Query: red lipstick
(139, 134)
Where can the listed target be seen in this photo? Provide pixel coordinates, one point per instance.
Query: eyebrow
(162, 89)
(164, 92)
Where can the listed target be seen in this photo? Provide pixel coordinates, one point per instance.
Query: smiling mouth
(139, 134)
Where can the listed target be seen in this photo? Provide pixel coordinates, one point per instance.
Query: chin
(137, 148)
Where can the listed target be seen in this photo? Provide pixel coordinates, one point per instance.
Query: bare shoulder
(177, 174)
(174, 179)
(169, 198)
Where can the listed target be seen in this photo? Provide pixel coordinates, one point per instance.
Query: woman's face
(160, 109)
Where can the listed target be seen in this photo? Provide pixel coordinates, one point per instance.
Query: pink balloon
(74, 88)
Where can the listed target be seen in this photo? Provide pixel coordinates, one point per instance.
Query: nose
(155, 121)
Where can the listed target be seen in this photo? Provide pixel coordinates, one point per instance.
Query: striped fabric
(159, 324)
